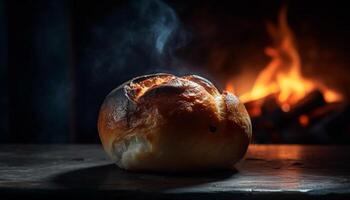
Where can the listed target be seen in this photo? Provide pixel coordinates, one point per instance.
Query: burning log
(254, 107)
(272, 124)
(334, 126)
(320, 113)
(268, 108)
(261, 106)
(309, 103)
(266, 117)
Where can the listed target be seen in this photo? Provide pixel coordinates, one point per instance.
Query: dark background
(59, 59)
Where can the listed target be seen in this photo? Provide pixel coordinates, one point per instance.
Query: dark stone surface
(84, 171)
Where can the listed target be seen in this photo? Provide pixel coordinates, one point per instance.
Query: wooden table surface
(84, 171)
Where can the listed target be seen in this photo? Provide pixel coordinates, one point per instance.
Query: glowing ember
(282, 76)
(304, 120)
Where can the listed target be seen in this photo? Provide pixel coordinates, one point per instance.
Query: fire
(283, 76)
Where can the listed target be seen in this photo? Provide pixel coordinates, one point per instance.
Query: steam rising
(164, 26)
(138, 37)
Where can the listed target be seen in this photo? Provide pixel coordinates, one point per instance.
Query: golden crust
(162, 122)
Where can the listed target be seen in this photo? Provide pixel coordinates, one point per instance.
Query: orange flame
(282, 76)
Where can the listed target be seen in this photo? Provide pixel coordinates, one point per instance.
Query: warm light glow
(304, 120)
(282, 76)
(230, 88)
